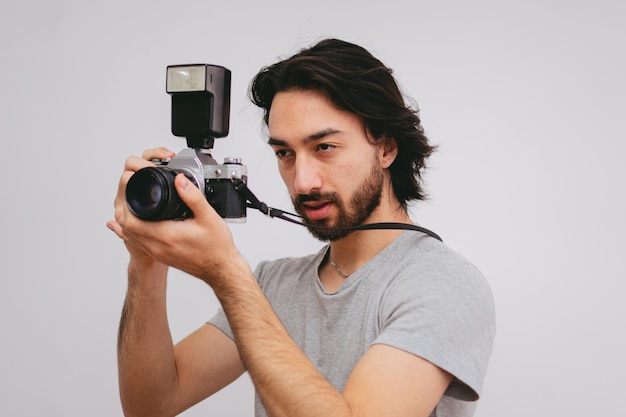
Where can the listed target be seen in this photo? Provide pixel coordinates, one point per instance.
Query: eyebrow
(311, 138)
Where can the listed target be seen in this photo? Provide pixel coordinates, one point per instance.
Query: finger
(130, 229)
(115, 228)
(134, 163)
(157, 153)
(192, 196)
(124, 179)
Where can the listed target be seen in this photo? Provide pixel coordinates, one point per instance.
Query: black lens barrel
(151, 195)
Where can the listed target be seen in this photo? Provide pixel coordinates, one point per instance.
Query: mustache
(300, 199)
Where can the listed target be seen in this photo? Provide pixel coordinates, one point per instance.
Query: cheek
(347, 180)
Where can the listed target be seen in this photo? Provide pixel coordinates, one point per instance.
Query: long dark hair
(357, 82)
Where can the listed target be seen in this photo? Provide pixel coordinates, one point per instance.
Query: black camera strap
(255, 203)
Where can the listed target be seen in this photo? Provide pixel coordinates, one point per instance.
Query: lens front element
(151, 195)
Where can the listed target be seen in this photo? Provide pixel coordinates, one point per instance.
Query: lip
(316, 210)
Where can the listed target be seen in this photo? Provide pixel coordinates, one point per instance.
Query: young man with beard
(384, 322)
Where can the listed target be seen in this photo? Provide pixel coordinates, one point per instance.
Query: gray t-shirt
(416, 294)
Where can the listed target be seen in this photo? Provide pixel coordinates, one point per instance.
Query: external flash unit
(200, 102)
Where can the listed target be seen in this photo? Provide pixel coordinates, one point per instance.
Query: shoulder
(429, 274)
(423, 261)
(439, 306)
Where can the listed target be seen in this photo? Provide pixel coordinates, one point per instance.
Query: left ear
(388, 150)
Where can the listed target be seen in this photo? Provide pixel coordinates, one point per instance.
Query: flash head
(200, 102)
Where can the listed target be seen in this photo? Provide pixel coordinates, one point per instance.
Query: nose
(307, 176)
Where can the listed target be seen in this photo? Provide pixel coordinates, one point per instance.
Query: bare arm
(157, 378)
(386, 381)
(146, 363)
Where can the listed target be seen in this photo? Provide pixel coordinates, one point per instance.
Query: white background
(525, 99)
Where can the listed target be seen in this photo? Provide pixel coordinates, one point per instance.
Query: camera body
(200, 112)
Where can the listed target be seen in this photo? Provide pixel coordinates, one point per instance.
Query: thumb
(192, 196)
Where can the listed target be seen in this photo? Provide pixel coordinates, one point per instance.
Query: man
(378, 323)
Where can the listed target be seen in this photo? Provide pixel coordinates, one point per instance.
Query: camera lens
(151, 195)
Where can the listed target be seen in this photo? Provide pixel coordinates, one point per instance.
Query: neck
(356, 249)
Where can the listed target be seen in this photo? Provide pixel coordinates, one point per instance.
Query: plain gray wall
(525, 100)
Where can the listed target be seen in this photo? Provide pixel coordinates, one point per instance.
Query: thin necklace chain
(339, 271)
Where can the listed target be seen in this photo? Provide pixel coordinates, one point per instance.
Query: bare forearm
(285, 379)
(147, 370)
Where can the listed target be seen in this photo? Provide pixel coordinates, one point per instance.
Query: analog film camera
(200, 113)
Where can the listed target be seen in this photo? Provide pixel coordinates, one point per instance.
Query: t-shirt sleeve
(220, 321)
(446, 317)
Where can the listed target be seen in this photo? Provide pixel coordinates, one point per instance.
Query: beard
(362, 204)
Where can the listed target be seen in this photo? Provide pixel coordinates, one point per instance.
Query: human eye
(325, 147)
(282, 153)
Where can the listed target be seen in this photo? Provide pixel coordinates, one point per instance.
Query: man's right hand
(138, 257)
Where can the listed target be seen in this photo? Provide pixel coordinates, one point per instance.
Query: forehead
(300, 113)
